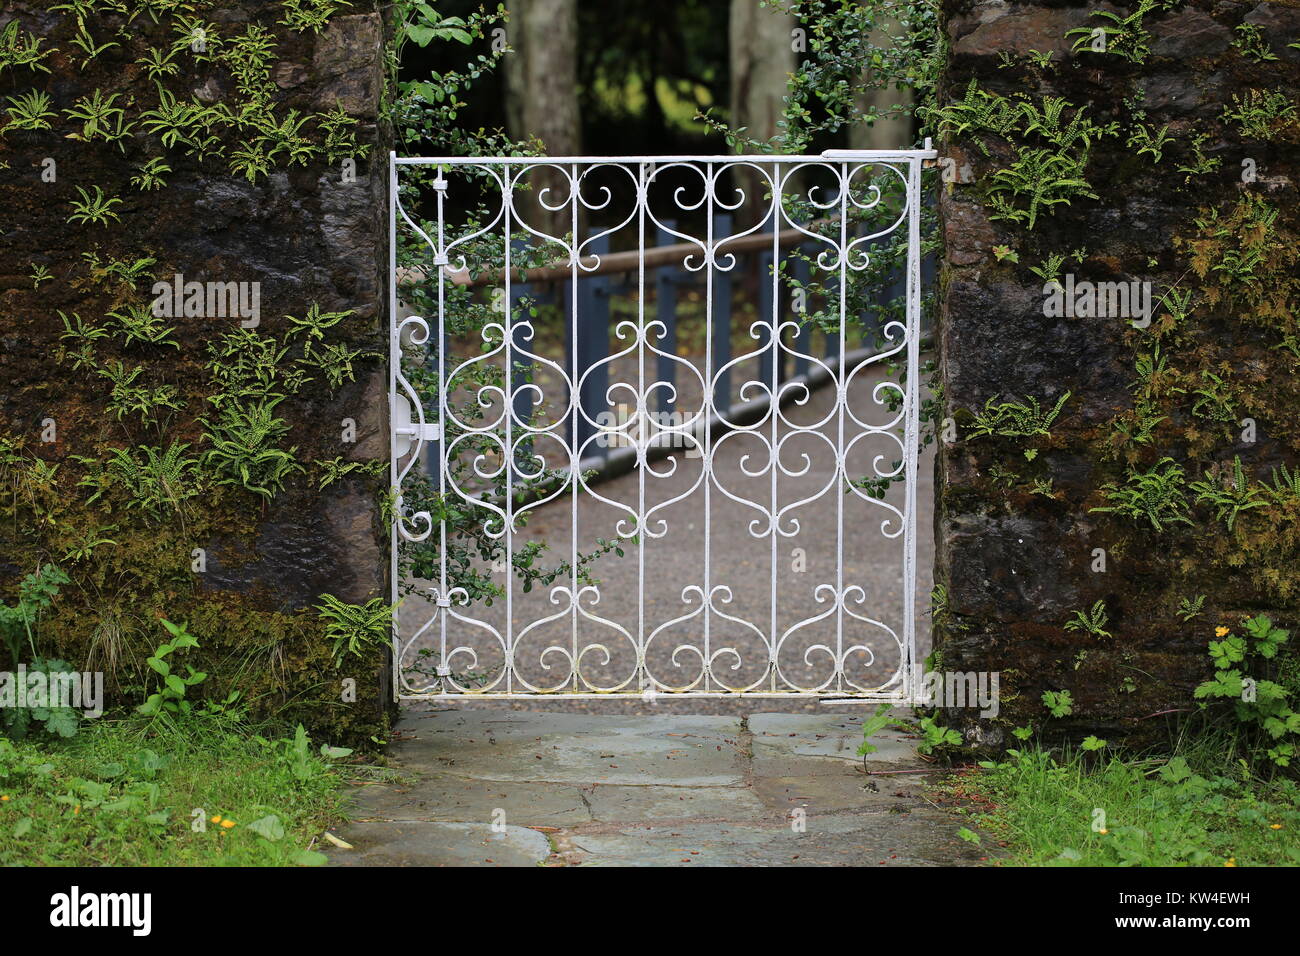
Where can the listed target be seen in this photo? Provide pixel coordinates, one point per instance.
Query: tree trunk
(762, 59)
(542, 94)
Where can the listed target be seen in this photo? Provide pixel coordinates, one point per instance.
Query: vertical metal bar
(641, 429)
(840, 381)
(769, 298)
(575, 454)
(666, 279)
(911, 426)
(508, 452)
(394, 360)
(720, 314)
(440, 448)
(709, 402)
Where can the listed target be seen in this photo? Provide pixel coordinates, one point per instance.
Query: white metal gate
(752, 507)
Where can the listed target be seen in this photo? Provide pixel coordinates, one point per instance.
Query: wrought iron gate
(683, 577)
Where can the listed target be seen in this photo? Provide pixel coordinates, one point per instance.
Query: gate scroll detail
(734, 464)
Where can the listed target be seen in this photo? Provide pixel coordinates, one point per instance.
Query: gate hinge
(407, 431)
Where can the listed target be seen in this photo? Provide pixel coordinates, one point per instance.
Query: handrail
(616, 262)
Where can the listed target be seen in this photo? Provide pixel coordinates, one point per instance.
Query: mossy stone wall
(262, 123)
(1194, 189)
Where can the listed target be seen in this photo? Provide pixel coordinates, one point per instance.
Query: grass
(1071, 808)
(126, 793)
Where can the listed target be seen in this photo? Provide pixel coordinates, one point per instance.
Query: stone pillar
(1018, 557)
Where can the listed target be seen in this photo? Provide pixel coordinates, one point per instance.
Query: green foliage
(1015, 419)
(1037, 179)
(171, 697)
(139, 326)
(245, 448)
(100, 119)
(1156, 812)
(1124, 36)
(872, 726)
(1250, 41)
(333, 469)
(1189, 608)
(1200, 164)
(1093, 621)
(36, 594)
(165, 794)
(1150, 141)
(1230, 494)
(1263, 115)
(1060, 703)
(934, 736)
(1156, 494)
(150, 175)
(156, 481)
(29, 111)
(355, 628)
(1051, 144)
(129, 396)
(1285, 487)
(21, 49)
(1263, 707)
(302, 15)
(95, 209)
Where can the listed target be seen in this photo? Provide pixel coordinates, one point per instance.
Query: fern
(1231, 497)
(1015, 419)
(1156, 495)
(245, 450)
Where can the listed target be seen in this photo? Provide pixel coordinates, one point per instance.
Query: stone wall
(274, 162)
(1210, 210)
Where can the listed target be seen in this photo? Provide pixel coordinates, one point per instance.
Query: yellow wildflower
(227, 823)
(1220, 631)
(1232, 861)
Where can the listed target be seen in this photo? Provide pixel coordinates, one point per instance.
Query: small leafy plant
(355, 628)
(171, 697)
(1263, 706)
(36, 594)
(1059, 703)
(1156, 495)
(1093, 621)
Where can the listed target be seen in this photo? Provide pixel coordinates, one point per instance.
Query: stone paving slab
(614, 804)
(648, 790)
(576, 748)
(441, 844)
(874, 839)
(449, 798)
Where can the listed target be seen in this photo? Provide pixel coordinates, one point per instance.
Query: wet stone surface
(495, 787)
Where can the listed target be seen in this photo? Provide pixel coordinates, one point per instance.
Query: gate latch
(406, 431)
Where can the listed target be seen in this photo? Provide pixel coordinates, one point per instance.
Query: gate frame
(417, 433)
